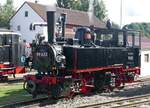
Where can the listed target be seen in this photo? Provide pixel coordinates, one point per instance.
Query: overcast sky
(132, 10)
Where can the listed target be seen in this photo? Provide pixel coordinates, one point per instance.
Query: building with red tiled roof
(33, 12)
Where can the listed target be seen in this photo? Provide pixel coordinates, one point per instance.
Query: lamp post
(120, 13)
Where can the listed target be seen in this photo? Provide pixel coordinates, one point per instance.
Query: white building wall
(45, 33)
(145, 66)
(24, 22)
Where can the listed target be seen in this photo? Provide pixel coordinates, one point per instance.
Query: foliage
(74, 4)
(145, 27)
(99, 9)
(82, 5)
(64, 3)
(6, 12)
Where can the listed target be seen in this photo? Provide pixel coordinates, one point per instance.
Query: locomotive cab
(118, 38)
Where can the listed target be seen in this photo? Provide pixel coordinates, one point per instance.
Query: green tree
(145, 27)
(6, 12)
(64, 3)
(82, 5)
(99, 9)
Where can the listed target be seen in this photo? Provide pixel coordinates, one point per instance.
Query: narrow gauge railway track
(34, 102)
(140, 81)
(24, 103)
(15, 80)
(144, 79)
(12, 81)
(122, 103)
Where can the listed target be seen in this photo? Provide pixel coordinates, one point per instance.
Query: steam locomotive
(96, 59)
(11, 49)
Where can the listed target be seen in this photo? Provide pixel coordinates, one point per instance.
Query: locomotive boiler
(96, 59)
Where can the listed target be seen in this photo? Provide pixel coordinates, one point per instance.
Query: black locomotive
(95, 59)
(11, 50)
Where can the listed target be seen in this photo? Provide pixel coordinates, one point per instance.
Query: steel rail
(12, 81)
(135, 98)
(91, 105)
(133, 104)
(33, 102)
(23, 103)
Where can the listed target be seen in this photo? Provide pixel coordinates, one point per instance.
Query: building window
(26, 13)
(146, 58)
(31, 27)
(19, 28)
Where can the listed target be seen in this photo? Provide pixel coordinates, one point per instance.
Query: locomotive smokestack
(63, 15)
(51, 26)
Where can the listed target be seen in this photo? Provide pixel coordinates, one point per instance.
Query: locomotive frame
(68, 66)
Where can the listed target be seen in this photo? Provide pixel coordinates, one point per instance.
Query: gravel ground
(128, 91)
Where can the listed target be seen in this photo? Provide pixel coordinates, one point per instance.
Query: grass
(13, 93)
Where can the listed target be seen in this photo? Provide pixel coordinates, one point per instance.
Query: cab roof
(8, 32)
